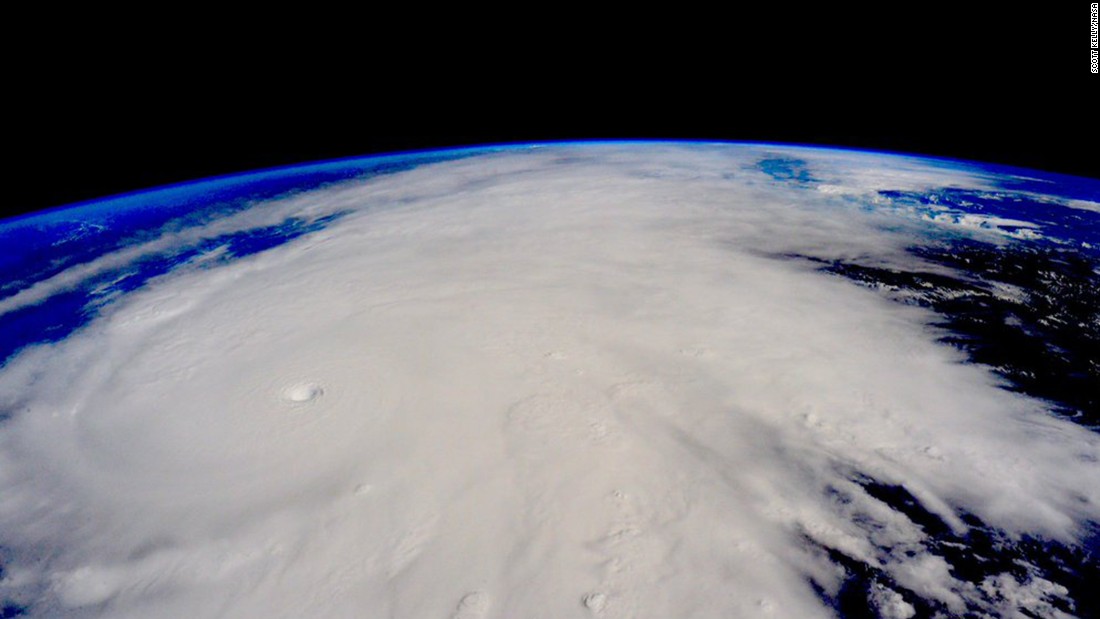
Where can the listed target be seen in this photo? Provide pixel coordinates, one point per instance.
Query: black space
(105, 111)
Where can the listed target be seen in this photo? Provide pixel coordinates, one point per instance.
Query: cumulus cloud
(571, 379)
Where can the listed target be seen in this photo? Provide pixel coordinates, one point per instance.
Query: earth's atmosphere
(567, 380)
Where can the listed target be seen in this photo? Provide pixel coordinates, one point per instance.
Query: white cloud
(557, 379)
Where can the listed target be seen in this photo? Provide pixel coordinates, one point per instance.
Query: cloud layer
(562, 381)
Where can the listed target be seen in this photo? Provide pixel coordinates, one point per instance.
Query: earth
(610, 379)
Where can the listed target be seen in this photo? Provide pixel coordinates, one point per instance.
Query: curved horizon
(258, 174)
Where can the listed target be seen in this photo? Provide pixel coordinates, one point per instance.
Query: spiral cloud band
(556, 381)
